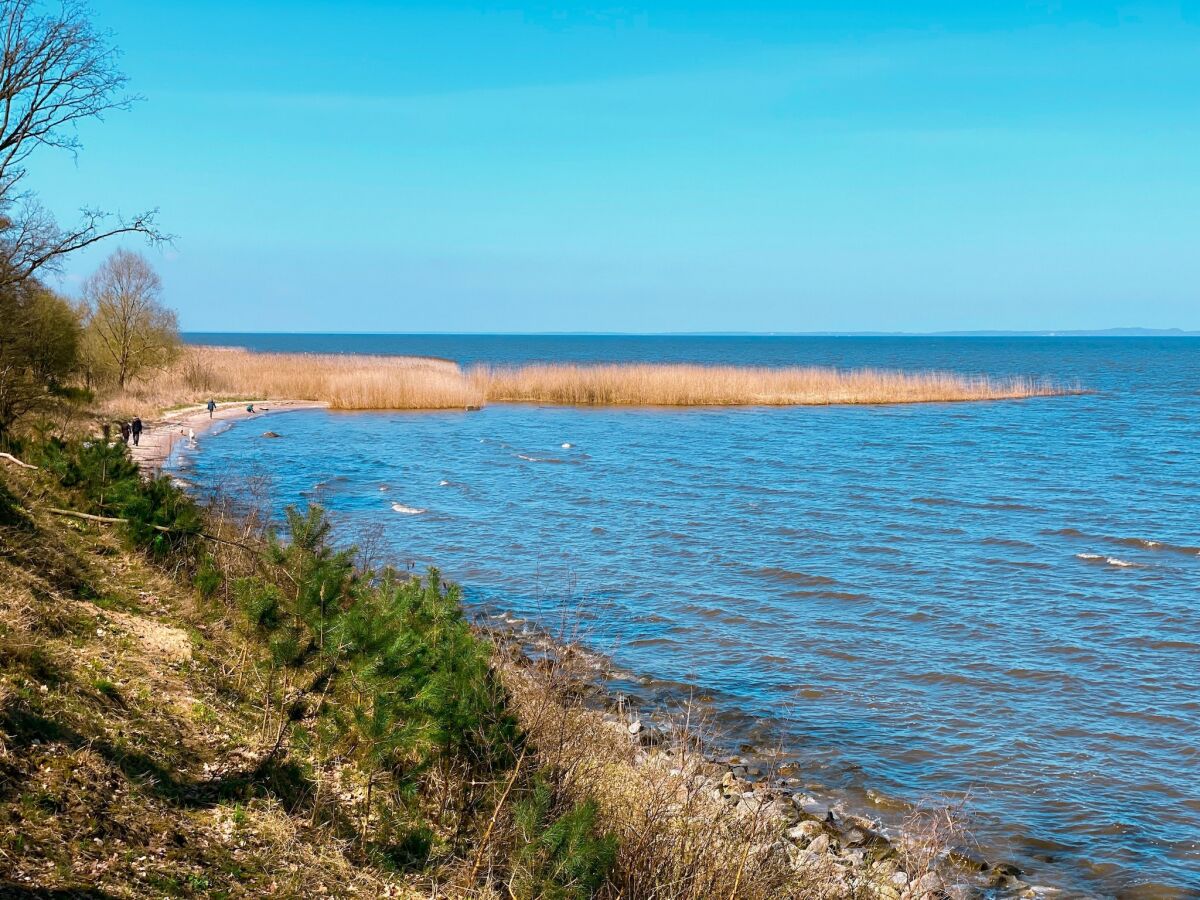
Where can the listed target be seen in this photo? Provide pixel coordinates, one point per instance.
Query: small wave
(1159, 546)
(1009, 506)
(1107, 560)
(1006, 542)
(1065, 532)
(830, 595)
(1139, 543)
(794, 577)
(406, 510)
(1018, 563)
(566, 445)
(443, 483)
(541, 459)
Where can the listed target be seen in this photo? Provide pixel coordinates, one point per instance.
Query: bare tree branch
(56, 69)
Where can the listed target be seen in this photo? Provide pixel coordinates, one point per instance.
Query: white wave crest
(1110, 560)
(406, 510)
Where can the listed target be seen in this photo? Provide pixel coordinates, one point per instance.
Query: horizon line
(1133, 331)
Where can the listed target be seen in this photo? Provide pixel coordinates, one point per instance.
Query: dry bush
(936, 839)
(680, 837)
(697, 385)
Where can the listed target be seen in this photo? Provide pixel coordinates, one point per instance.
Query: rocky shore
(849, 854)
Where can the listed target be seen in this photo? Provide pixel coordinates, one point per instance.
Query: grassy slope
(124, 729)
(131, 750)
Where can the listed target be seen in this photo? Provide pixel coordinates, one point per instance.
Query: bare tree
(56, 70)
(129, 331)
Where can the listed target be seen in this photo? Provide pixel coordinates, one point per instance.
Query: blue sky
(682, 166)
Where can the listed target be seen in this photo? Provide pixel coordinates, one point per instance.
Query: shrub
(101, 472)
(159, 516)
(558, 859)
(259, 603)
(208, 577)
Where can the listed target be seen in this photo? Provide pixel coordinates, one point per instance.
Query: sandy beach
(160, 435)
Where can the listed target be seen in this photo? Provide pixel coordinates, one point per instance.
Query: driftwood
(13, 459)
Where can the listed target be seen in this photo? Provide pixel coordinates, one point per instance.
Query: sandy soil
(160, 435)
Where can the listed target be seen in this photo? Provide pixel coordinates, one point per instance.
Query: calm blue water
(1001, 598)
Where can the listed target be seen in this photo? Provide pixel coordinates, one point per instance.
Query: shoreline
(749, 776)
(160, 435)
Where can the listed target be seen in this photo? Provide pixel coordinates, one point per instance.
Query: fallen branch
(112, 520)
(81, 515)
(13, 459)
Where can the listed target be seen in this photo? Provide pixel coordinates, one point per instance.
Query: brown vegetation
(342, 381)
(696, 385)
(686, 829)
(399, 382)
(124, 725)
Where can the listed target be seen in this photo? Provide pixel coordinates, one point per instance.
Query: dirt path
(160, 436)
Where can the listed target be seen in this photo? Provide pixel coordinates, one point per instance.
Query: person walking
(125, 431)
(136, 429)
(212, 404)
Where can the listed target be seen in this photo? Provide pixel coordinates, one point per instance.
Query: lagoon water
(1001, 597)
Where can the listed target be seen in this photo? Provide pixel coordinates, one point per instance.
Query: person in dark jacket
(136, 430)
(125, 430)
(212, 404)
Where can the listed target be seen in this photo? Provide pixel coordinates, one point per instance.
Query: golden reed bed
(402, 382)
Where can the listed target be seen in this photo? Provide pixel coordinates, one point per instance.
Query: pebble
(819, 844)
(968, 859)
(810, 805)
(805, 831)
(927, 884)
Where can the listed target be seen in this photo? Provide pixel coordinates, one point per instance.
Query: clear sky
(679, 166)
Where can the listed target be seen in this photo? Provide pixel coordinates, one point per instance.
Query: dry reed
(697, 385)
(405, 382)
(341, 380)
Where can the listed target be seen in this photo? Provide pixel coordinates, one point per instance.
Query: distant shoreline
(201, 334)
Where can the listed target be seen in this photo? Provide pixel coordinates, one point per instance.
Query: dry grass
(686, 831)
(696, 385)
(407, 382)
(115, 713)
